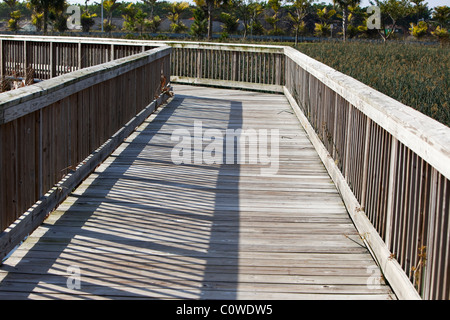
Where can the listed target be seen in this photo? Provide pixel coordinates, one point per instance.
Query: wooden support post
(199, 64)
(112, 52)
(235, 66)
(347, 142)
(391, 194)
(80, 60)
(431, 250)
(2, 63)
(278, 69)
(334, 154)
(25, 59)
(40, 187)
(366, 163)
(52, 54)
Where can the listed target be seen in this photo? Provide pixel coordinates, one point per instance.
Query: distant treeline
(345, 19)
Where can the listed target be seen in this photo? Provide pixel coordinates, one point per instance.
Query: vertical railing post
(366, 163)
(391, 191)
(52, 54)
(347, 142)
(79, 57)
(1, 60)
(429, 289)
(25, 59)
(277, 69)
(233, 66)
(40, 187)
(199, 63)
(334, 153)
(237, 71)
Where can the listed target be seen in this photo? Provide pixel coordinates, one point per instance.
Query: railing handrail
(172, 43)
(426, 136)
(226, 46)
(59, 130)
(85, 40)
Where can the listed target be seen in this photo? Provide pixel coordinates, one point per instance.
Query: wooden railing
(237, 66)
(50, 57)
(53, 133)
(391, 165)
(389, 162)
(254, 67)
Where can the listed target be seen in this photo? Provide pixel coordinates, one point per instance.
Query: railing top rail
(425, 136)
(81, 40)
(226, 46)
(175, 44)
(19, 102)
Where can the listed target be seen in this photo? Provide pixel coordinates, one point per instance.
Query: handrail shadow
(143, 228)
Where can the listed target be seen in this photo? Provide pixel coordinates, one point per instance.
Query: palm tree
(15, 15)
(344, 5)
(13, 23)
(110, 6)
(256, 9)
(176, 9)
(275, 5)
(151, 4)
(200, 25)
(323, 28)
(208, 6)
(45, 6)
(395, 10)
(441, 16)
(11, 4)
(242, 8)
(129, 16)
(87, 21)
(300, 11)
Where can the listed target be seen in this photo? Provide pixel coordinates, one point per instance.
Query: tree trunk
(45, 20)
(210, 20)
(383, 35)
(344, 24)
(245, 27)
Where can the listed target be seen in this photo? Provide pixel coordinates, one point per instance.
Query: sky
(364, 3)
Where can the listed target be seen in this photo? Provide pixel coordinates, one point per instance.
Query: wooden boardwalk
(143, 227)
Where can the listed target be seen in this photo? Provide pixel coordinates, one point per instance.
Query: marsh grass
(416, 75)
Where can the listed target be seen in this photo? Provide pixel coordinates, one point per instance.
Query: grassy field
(416, 75)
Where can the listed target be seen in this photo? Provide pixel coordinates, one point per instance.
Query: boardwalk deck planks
(143, 227)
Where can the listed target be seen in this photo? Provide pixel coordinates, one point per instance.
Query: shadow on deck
(143, 227)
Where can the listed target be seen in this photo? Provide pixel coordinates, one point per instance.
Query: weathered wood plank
(143, 227)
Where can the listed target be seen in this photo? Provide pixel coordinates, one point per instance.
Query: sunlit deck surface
(143, 227)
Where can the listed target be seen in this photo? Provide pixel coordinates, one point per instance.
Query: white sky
(364, 3)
